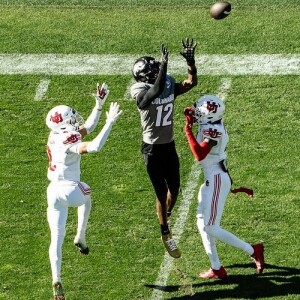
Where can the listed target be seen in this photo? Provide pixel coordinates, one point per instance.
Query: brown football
(220, 10)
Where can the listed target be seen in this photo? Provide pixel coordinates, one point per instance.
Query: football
(220, 10)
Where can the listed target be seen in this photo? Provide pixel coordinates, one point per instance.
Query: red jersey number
(51, 167)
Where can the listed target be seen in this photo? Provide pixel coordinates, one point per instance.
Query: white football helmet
(208, 109)
(63, 118)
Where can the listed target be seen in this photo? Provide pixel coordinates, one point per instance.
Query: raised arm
(98, 142)
(188, 52)
(199, 150)
(93, 119)
(145, 97)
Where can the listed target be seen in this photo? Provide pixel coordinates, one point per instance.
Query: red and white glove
(189, 116)
(101, 95)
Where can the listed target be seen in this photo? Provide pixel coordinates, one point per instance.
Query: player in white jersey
(209, 148)
(65, 190)
(155, 92)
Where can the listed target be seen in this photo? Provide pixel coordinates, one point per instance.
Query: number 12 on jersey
(164, 115)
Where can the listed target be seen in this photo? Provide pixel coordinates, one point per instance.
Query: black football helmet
(145, 69)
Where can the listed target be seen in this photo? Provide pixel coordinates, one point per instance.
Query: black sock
(164, 229)
(169, 214)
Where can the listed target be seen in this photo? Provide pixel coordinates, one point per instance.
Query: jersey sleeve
(138, 88)
(72, 141)
(212, 132)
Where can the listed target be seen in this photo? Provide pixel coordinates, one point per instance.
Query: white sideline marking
(183, 211)
(41, 90)
(73, 64)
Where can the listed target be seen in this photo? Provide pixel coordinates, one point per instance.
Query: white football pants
(212, 197)
(61, 196)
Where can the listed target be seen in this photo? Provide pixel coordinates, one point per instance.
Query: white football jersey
(218, 153)
(64, 161)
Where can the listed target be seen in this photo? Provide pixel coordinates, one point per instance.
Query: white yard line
(73, 64)
(41, 90)
(188, 195)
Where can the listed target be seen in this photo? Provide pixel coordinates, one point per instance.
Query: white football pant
(212, 197)
(61, 196)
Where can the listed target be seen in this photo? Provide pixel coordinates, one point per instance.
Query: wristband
(192, 71)
(190, 62)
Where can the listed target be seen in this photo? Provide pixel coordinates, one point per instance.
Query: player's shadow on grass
(275, 281)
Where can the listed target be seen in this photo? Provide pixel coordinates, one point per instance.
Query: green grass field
(127, 256)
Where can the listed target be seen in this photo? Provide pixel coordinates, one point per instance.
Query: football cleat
(83, 248)
(214, 274)
(58, 293)
(170, 245)
(258, 257)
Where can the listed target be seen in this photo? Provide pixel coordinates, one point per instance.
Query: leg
(161, 210)
(207, 212)
(255, 251)
(156, 175)
(172, 175)
(172, 195)
(212, 227)
(83, 217)
(221, 188)
(228, 238)
(82, 199)
(209, 245)
(57, 219)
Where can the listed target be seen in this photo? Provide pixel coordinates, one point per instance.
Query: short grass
(126, 252)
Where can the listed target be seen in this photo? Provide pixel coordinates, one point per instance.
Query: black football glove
(164, 54)
(188, 51)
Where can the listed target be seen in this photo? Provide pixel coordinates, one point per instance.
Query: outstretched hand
(113, 114)
(188, 51)
(101, 95)
(164, 53)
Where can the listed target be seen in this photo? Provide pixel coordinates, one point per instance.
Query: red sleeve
(201, 150)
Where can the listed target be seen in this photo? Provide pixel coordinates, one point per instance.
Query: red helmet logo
(212, 106)
(57, 118)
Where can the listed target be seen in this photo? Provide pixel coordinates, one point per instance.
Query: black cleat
(82, 248)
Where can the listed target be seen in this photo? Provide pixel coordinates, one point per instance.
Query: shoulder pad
(211, 131)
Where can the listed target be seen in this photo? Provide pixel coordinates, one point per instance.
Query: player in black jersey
(155, 92)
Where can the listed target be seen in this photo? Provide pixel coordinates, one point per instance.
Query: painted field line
(85, 64)
(41, 89)
(188, 195)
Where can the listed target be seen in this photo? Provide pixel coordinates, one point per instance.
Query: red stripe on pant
(215, 199)
(85, 191)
